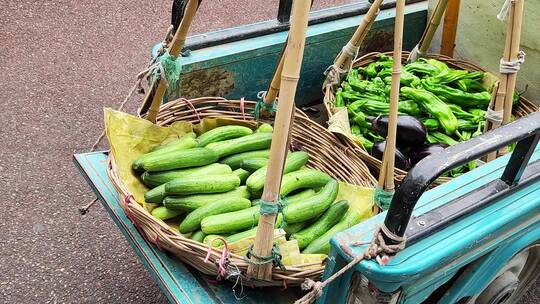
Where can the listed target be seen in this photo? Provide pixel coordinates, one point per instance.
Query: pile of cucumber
(213, 184)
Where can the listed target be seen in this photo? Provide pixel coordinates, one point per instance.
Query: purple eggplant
(401, 161)
(410, 131)
(419, 153)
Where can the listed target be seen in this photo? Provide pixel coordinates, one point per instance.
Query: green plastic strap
(383, 198)
(268, 208)
(271, 108)
(274, 257)
(172, 67)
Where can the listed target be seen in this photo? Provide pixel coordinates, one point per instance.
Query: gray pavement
(62, 62)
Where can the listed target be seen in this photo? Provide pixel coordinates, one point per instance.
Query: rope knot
(512, 66)
(262, 105)
(495, 117)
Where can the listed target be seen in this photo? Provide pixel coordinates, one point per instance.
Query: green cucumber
(264, 128)
(193, 220)
(234, 221)
(154, 179)
(305, 178)
(255, 141)
(330, 218)
(291, 199)
(294, 161)
(322, 243)
(155, 195)
(164, 213)
(242, 175)
(234, 161)
(202, 184)
(253, 164)
(198, 236)
(222, 133)
(185, 142)
(179, 159)
(294, 228)
(312, 207)
(192, 202)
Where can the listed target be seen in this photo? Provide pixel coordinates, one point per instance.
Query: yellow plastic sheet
(360, 198)
(131, 137)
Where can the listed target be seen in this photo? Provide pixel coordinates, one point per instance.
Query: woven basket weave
(523, 108)
(326, 154)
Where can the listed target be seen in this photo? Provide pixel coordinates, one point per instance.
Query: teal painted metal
(181, 284)
(243, 68)
(496, 233)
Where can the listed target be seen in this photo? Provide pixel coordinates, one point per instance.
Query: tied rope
(262, 105)
(223, 266)
(415, 54)
(377, 246)
(383, 198)
(274, 257)
(333, 73)
(513, 66)
(495, 117)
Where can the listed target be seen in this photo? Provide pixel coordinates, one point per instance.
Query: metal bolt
(421, 223)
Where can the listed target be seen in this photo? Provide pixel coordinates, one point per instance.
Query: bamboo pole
(386, 177)
(505, 91)
(451, 16)
(279, 148)
(174, 50)
(429, 32)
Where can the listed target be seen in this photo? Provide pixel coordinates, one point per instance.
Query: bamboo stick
(505, 92)
(429, 32)
(278, 150)
(451, 16)
(386, 178)
(174, 50)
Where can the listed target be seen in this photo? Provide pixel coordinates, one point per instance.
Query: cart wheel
(514, 279)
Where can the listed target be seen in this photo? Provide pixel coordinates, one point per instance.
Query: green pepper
(375, 67)
(431, 124)
(352, 96)
(457, 171)
(458, 97)
(467, 125)
(447, 76)
(366, 143)
(433, 105)
(464, 135)
(339, 98)
(406, 79)
(376, 107)
(438, 137)
(441, 66)
(476, 75)
(378, 82)
(460, 113)
(470, 85)
(376, 137)
(421, 68)
(355, 129)
(346, 87)
(515, 99)
(408, 106)
(362, 86)
(384, 73)
(480, 129)
(361, 119)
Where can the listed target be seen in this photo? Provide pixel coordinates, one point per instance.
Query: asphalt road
(62, 62)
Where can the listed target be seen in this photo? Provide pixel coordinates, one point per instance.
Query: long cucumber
(330, 218)
(193, 220)
(254, 164)
(234, 161)
(154, 179)
(179, 159)
(192, 202)
(164, 213)
(322, 243)
(234, 221)
(255, 141)
(305, 178)
(185, 142)
(294, 161)
(222, 133)
(242, 175)
(312, 207)
(202, 184)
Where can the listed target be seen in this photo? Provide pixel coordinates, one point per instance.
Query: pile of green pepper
(450, 103)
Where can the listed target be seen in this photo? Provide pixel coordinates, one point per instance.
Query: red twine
(242, 108)
(222, 271)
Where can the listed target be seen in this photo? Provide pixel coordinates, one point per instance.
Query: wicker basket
(326, 154)
(523, 108)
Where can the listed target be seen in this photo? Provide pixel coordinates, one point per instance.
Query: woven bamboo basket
(326, 154)
(523, 108)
